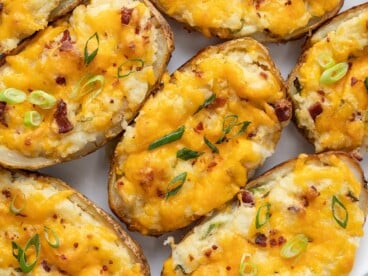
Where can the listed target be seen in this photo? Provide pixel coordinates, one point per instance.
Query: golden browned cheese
(334, 114)
(224, 104)
(55, 62)
(86, 244)
(246, 17)
(316, 198)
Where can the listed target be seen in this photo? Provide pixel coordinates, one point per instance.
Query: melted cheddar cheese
(341, 120)
(241, 18)
(54, 61)
(300, 200)
(20, 19)
(87, 244)
(240, 88)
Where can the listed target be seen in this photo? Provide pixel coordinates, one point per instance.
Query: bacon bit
(120, 183)
(75, 245)
(105, 268)
(247, 197)
(45, 266)
(273, 243)
(55, 216)
(160, 193)
(191, 258)
(263, 75)
(66, 42)
(312, 193)
(261, 240)
(258, 3)
(305, 201)
(283, 110)
(199, 127)
(61, 118)
(281, 240)
(126, 15)
(214, 247)
(315, 110)
(1, 7)
(208, 253)
(288, 3)
(60, 80)
(211, 165)
(137, 29)
(218, 102)
(146, 176)
(6, 193)
(198, 74)
(353, 81)
(228, 268)
(2, 114)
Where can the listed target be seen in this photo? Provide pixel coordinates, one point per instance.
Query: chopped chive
(168, 138)
(338, 208)
(295, 246)
(12, 96)
(263, 215)
(206, 103)
(132, 69)
(247, 268)
(32, 119)
(88, 57)
(334, 73)
(42, 99)
(210, 145)
(17, 210)
(186, 154)
(54, 241)
(210, 228)
(20, 254)
(92, 85)
(179, 180)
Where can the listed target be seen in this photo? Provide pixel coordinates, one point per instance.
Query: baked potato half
(196, 141)
(303, 217)
(20, 19)
(264, 20)
(329, 85)
(46, 227)
(80, 81)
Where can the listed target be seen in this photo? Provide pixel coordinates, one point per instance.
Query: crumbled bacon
(61, 117)
(6, 193)
(258, 3)
(261, 239)
(199, 127)
(45, 266)
(283, 110)
(66, 42)
(126, 15)
(1, 7)
(218, 102)
(247, 197)
(60, 80)
(315, 110)
(312, 193)
(2, 113)
(353, 81)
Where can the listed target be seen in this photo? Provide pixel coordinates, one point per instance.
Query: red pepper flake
(2, 114)
(261, 240)
(61, 117)
(126, 15)
(353, 81)
(218, 102)
(315, 110)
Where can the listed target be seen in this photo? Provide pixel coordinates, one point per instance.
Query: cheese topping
(301, 203)
(87, 246)
(246, 17)
(160, 190)
(20, 19)
(344, 102)
(55, 62)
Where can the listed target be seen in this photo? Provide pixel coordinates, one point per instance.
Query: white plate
(89, 174)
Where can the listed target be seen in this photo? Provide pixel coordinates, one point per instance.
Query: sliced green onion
(181, 268)
(42, 99)
(325, 60)
(187, 154)
(263, 215)
(92, 85)
(12, 96)
(228, 125)
(339, 212)
(54, 240)
(24, 265)
(229, 122)
(17, 210)
(32, 119)
(17, 250)
(168, 138)
(210, 228)
(247, 268)
(297, 85)
(139, 64)
(210, 145)
(176, 184)
(334, 73)
(366, 83)
(88, 57)
(206, 103)
(295, 246)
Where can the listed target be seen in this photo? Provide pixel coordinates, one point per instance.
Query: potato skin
(13, 159)
(264, 36)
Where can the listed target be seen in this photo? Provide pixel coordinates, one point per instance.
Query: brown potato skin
(97, 213)
(265, 37)
(13, 160)
(115, 203)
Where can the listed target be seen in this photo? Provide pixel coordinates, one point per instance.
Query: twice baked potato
(264, 20)
(47, 228)
(329, 86)
(304, 217)
(19, 19)
(196, 141)
(78, 82)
